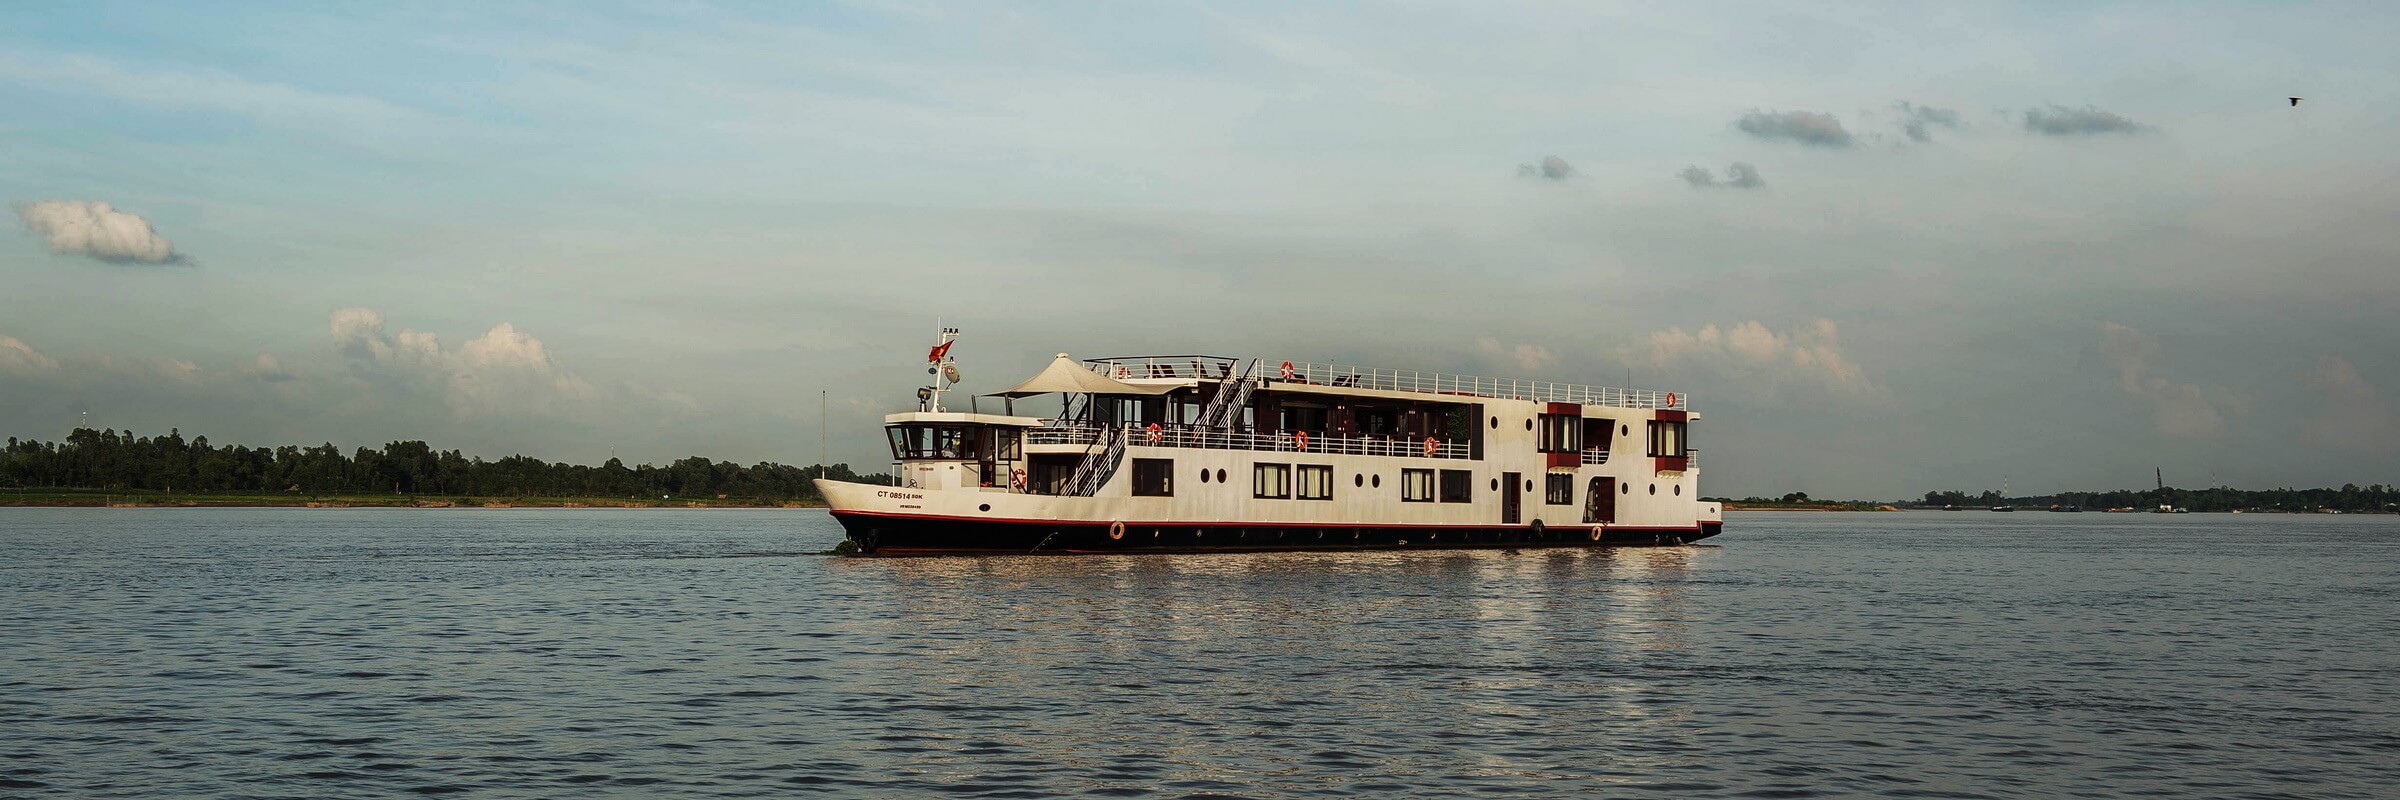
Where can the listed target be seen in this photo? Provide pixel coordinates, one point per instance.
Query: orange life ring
(1300, 438)
(1596, 532)
(1116, 530)
(1670, 399)
(1288, 372)
(1431, 447)
(1017, 479)
(1124, 372)
(1154, 433)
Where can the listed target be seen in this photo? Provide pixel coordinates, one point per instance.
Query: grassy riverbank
(71, 498)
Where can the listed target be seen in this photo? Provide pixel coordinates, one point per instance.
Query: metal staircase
(1097, 466)
(1225, 408)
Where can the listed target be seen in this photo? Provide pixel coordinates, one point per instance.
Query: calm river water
(563, 653)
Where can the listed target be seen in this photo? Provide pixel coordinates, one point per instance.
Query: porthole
(1654, 488)
(1495, 484)
(1529, 424)
(1358, 480)
(1220, 476)
(1678, 490)
(984, 507)
(1624, 430)
(1529, 485)
(1378, 481)
(1495, 423)
(1204, 476)
(1625, 489)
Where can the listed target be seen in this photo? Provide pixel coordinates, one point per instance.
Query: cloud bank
(18, 357)
(504, 372)
(1806, 127)
(1737, 176)
(97, 230)
(2058, 120)
(2355, 415)
(2177, 409)
(1810, 353)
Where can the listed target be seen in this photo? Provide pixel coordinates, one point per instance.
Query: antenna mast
(943, 367)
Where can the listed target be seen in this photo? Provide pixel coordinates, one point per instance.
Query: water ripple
(543, 653)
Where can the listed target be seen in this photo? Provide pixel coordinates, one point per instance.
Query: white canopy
(1064, 375)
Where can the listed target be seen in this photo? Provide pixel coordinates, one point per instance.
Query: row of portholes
(1622, 430)
(1377, 480)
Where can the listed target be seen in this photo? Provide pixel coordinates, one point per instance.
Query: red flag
(939, 350)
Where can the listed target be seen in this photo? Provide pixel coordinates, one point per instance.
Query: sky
(1882, 248)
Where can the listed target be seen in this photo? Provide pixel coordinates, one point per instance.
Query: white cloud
(2177, 409)
(17, 356)
(1810, 353)
(2355, 416)
(96, 229)
(1530, 358)
(504, 372)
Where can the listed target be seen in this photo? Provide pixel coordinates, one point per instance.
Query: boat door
(1600, 501)
(1512, 497)
(987, 447)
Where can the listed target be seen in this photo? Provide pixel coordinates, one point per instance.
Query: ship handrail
(1202, 438)
(1349, 376)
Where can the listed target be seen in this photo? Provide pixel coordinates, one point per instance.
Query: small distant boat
(2004, 508)
(2066, 509)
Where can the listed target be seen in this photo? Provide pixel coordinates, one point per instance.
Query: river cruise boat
(1208, 453)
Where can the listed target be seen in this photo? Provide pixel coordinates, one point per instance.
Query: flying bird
(2295, 102)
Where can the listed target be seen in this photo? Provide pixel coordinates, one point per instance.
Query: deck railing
(1390, 380)
(1287, 441)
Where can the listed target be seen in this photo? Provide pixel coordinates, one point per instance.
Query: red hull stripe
(1156, 524)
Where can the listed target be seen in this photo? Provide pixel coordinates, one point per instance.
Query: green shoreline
(123, 499)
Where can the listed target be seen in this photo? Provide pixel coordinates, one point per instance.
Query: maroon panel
(1670, 463)
(1671, 415)
(1564, 408)
(1570, 459)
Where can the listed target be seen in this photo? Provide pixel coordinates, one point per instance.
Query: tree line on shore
(106, 459)
(2351, 498)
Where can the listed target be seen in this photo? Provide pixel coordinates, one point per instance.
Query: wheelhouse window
(932, 441)
(1315, 482)
(1561, 433)
(1458, 486)
(1154, 477)
(1271, 481)
(1666, 438)
(1558, 489)
(1416, 486)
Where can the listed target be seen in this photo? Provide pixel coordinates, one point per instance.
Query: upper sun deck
(1352, 379)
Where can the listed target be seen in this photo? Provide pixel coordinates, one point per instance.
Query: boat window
(1666, 438)
(1154, 477)
(1458, 486)
(1559, 489)
(1561, 433)
(1009, 442)
(1416, 486)
(1304, 418)
(1315, 482)
(933, 441)
(1597, 433)
(1271, 481)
